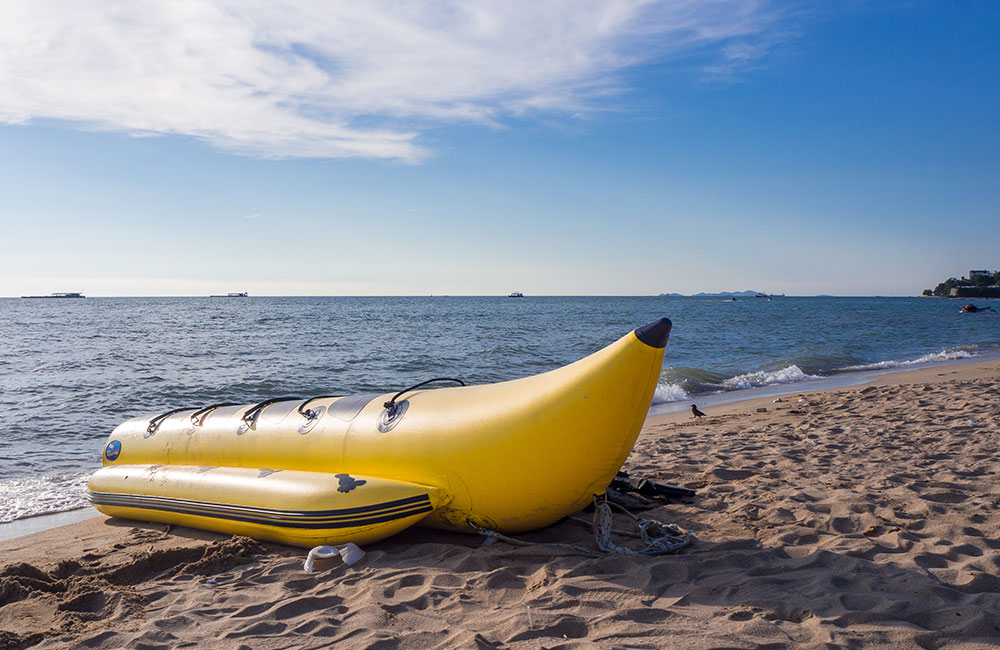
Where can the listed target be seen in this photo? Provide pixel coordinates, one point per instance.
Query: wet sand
(859, 517)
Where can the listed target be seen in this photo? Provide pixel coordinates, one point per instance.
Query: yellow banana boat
(510, 457)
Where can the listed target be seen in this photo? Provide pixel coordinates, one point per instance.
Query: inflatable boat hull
(511, 456)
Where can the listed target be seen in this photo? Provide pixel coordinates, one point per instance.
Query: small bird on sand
(695, 412)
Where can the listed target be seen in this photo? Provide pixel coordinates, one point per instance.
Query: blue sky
(614, 147)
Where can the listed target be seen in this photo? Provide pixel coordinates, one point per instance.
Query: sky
(553, 147)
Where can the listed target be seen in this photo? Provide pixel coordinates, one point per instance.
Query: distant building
(977, 273)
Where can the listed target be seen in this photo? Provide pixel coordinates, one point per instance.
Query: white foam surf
(934, 357)
(30, 497)
(788, 375)
(669, 393)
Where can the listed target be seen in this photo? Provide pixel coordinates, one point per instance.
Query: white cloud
(305, 78)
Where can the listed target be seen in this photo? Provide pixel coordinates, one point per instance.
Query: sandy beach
(862, 517)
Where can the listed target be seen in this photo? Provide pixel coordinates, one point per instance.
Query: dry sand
(861, 517)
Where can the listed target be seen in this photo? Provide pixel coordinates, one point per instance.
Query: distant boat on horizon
(71, 294)
(515, 294)
(231, 294)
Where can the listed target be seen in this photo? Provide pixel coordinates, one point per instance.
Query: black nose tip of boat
(655, 334)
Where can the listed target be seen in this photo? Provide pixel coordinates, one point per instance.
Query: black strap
(155, 423)
(391, 404)
(199, 416)
(250, 417)
(309, 413)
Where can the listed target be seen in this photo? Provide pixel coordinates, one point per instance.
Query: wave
(934, 357)
(816, 362)
(787, 375)
(678, 384)
(681, 383)
(30, 497)
(690, 381)
(669, 393)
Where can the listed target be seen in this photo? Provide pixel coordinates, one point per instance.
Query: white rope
(492, 536)
(659, 538)
(614, 531)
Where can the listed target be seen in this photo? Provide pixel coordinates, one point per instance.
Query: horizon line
(706, 294)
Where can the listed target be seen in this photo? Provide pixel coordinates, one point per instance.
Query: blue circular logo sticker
(114, 448)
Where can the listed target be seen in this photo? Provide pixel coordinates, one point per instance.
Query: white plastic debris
(351, 553)
(321, 558)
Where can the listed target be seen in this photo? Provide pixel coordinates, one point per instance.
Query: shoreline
(724, 402)
(862, 516)
(840, 380)
(961, 369)
(38, 523)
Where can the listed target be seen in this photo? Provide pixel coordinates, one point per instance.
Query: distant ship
(72, 294)
(515, 294)
(231, 294)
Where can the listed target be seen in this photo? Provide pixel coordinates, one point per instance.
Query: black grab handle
(155, 422)
(391, 404)
(250, 417)
(199, 416)
(309, 413)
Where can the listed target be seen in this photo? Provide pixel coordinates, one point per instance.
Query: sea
(73, 369)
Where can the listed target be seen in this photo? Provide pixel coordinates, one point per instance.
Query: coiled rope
(660, 538)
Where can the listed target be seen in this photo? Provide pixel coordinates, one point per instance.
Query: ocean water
(71, 370)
